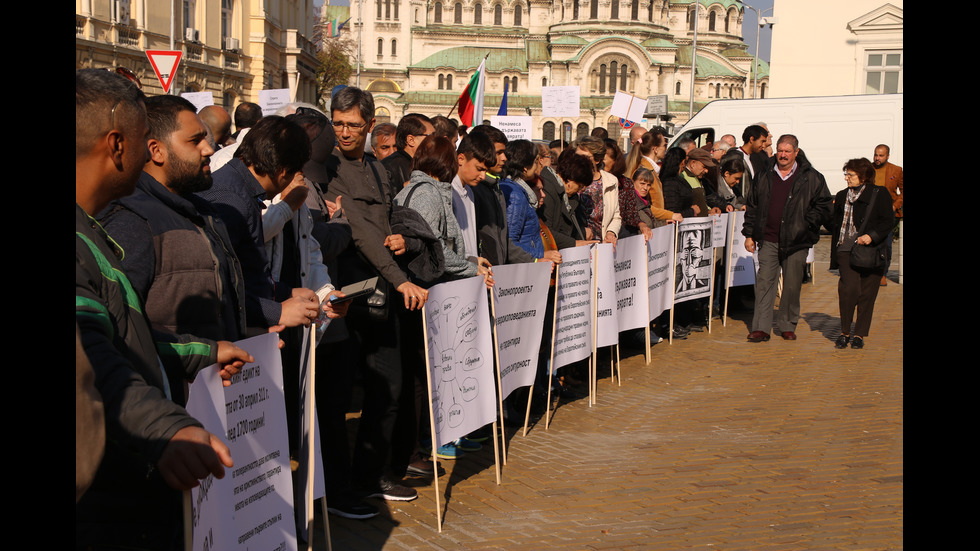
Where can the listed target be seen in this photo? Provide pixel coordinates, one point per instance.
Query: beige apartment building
(231, 48)
(838, 48)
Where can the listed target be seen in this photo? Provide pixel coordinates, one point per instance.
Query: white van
(831, 129)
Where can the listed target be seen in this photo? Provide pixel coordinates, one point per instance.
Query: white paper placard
(560, 101)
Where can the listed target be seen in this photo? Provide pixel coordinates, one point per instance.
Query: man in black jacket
(787, 206)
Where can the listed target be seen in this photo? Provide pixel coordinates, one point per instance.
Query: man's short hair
(351, 97)
(480, 146)
(557, 144)
(247, 114)
(684, 143)
(275, 144)
(495, 134)
(161, 115)
(412, 124)
(888, 150)
(600, 132)
(446, 127)
(381, 130)
(753, 132)
(723, 146)
(575, 167)
(790, 139)
(103, 99)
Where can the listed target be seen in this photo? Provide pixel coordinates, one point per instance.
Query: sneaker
(468, 445)
(481, 434)
(422, 468)
(350, 507)
(841, 342)
(448, 451)
(857, 342)
(390, 490)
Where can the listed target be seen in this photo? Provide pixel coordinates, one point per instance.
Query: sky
(749, 25)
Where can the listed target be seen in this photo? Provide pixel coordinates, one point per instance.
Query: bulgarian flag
(471, 100)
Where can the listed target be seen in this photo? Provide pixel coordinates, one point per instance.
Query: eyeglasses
(349, 126)
(850, 175)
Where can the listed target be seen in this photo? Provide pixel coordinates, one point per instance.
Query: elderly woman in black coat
(862, 217)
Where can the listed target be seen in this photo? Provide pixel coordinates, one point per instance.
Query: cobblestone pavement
(717, 444)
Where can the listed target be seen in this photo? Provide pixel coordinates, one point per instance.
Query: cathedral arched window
(458, 13)
(712, 18)
(575, 8)
(602, 78)
(593, 9)
(449, 82)
(394, 47)
(381, 47)
(614, 10)
(548, 131)
(441, 82)
(498, 15)
(478, 14)
(379, 9)
(437, 15)
(612, 76)
(635, 10)
(518, 15)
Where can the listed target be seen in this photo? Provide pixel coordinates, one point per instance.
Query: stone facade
(418, 55)
(232, 48)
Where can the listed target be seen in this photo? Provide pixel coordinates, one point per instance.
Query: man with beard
(890, 177)
(178, 254)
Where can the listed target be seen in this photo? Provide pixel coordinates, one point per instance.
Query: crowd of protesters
(177, 258)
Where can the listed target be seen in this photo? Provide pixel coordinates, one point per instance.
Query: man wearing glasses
(412, 129)
(363, 184)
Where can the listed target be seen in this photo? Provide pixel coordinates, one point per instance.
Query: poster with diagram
(460, 350)
(741, 263)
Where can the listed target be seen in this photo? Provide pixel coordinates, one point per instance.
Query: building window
(498, 15)
(449, 82)
(518, 15)
(762, 91)
(650, 11)
(387, 9)
(190, 6)
(728, 20)
(227, 15)
(884, 72)
(623, 74)
(513, 85)
(582, 130)
(458, 13)
(593, 9)
(548, 131)
(396, 9)
(712, 17)
(544, 81)
(575, 9)
(381, 47)
(478, 14)
(690, 20)
(635, 10)
(677, 88)
(437, 16)
(394, 47)
(602, 78)
(506, 83)
(379, 10)
(441, 82)
(614, 10)
(382, 115)
(613, 67)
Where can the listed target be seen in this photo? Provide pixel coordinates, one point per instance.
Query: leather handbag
(869, 257)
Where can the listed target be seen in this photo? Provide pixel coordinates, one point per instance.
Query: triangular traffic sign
(164, 64)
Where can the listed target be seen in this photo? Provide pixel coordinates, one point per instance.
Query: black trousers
(857, 289)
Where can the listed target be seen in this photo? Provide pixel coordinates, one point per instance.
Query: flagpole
(453, 108)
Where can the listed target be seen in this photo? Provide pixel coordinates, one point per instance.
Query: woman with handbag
(862, 219)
